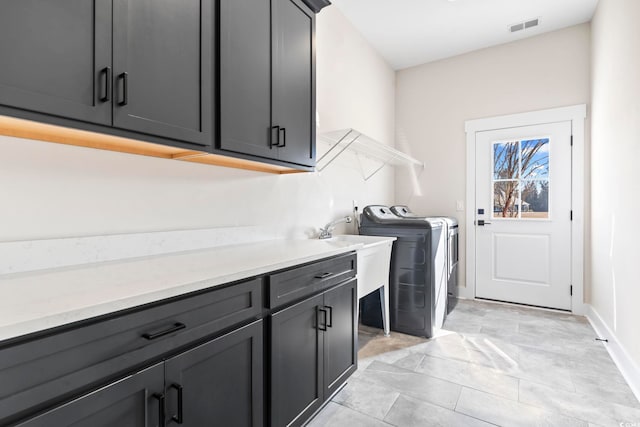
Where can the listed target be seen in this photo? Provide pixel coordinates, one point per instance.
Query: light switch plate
(460, 206)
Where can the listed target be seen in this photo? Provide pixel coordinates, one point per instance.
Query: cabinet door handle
(323, 275)
(160, 398)
(321, 326)
(330, 318)
(178, 417)
(106, 84)
(124, 78)
(153, 335)
(274, 141)
(284, 137)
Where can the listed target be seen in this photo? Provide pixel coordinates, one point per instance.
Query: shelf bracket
(361, 145)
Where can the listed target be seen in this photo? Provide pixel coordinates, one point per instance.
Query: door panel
(130, 402)
(219, 382)
(340, 340)
(162, 54)
(293, 80)
(245, 77)
(296, 363)
(508, 266)
(54, 57)
(523, 184)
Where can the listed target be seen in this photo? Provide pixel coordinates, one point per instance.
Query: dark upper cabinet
(56, 57)
(240, 73)
(219, 382)
(294, 81)
(163, 68)
(135, 401)
(245, 76)
(267, 79)
(341, 339)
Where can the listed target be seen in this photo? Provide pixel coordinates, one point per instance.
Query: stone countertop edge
(35, 302)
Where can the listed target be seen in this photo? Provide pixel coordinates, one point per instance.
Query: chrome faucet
(325, 233)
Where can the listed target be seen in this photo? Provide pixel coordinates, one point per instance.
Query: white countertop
(33, 302)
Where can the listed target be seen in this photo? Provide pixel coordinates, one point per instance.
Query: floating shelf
(362, 145)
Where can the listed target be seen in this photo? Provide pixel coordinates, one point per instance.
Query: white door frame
(576, 115)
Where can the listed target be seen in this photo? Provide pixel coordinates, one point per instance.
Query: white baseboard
(619, 354)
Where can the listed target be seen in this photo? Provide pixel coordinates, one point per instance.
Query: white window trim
(576, 115)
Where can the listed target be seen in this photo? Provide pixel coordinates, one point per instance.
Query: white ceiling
(412, 32)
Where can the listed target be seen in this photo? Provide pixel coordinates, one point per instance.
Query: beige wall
(434, 100)
(51, 190)
(616, 150)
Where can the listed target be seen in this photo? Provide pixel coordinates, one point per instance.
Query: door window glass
(521, 179)
(506, 160)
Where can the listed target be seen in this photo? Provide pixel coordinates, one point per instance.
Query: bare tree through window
(521, 179)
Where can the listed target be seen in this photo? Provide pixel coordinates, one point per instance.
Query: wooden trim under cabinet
(20, 128)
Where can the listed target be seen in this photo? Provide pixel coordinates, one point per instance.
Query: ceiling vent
(524, 25)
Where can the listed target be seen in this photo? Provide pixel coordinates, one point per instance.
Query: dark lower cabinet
(218, 383)
(296, 362)
(195, 361)
(313, 351)
(56, 57)
(135, 401)
(341, 338)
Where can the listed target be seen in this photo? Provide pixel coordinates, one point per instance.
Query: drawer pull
(160, 398)
(175, 328)
(330, 318)
(178, 417)
(323, 276)
(321, 326)
(106, 72)
(124, 77)
(274, 141)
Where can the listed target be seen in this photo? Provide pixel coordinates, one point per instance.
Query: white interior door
(523, 215)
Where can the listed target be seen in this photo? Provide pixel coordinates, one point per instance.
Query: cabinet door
(340, 340)
(162, 58)
(56, 57)
(294, 80)
(296, 362)
(135, 401)
(245, 77)
(219, 382)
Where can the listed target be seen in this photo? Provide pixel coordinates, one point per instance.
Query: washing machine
(452, 251)
(417, 292)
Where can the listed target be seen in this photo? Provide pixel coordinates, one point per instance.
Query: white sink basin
(374, 260)
(366, 241)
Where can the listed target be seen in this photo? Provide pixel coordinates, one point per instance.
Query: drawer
(36, 372)
(295, 284)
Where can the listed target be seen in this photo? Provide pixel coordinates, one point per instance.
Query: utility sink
(366, 241)
(374, 260)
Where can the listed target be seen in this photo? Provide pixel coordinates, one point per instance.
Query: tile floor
(493, 365)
